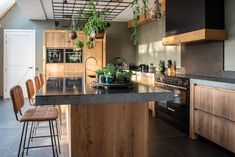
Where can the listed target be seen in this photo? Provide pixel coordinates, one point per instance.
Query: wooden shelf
(198, 35)
(143, 21)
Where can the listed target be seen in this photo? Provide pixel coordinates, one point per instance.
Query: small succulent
(100, 72)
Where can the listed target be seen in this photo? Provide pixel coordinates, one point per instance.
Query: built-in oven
(175, 112)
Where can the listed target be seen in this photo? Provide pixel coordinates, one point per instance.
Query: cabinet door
(203, 124)
(231, 136)
(54, 39)
(73, 69)
(223, 103)
(203, 98)
(220, 131)
(55, 70)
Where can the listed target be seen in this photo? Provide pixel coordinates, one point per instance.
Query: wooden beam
(143, 21)
(198, 35)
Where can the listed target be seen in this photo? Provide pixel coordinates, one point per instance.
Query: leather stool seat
(40, 114)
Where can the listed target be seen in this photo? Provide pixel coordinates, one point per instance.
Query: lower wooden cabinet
(218, 130)
(212, 115)
(203, 124)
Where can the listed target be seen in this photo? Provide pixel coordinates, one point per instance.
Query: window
(5, 5)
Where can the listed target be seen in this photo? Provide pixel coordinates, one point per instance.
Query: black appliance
(143, 68)
(175, 112)
(72, 56)
(55, 55)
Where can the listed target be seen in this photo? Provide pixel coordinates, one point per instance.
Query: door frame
(5, 61)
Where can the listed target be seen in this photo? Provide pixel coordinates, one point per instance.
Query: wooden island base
(109, 130)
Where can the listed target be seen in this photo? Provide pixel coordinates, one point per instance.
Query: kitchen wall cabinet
(54, 39)
(59, 39)
(212, 115)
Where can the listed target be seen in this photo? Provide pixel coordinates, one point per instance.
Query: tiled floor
(165, 141)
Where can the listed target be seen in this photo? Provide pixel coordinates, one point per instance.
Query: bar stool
(45, 114)
(37, 83)
(41, 80)
(30, 91)
(31, 94)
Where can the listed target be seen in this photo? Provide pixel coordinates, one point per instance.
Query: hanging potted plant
(79, 44)
(96, 25)
(72, 33)
(90, 44)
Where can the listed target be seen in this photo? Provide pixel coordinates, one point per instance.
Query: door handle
(30, 67)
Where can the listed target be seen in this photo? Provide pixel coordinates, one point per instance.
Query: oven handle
(184, 88)
(170, 109)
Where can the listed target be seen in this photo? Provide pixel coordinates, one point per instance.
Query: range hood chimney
(194, 20)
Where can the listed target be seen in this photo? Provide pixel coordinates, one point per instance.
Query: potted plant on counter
(123, 76)
(109, 77)
(100, 76)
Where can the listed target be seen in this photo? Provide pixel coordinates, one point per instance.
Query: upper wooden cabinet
(54, 39)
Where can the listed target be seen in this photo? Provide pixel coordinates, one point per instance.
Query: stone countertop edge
(225, 85)
(104, 99)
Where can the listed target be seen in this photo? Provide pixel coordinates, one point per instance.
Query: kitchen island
(104, 123)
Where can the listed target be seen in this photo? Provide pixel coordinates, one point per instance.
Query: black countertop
(76, 91)
(208, 78)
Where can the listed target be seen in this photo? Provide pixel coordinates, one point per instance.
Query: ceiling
(43, 9)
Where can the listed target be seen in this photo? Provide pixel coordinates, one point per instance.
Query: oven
(175, 112)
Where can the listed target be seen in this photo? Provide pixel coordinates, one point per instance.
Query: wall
(14, 19)
(203, 58)
(150, 48)
(229, 44)
(119, 43)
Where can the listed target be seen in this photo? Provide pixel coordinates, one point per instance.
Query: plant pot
(110, 80)
(121, 81)
(97, 77)
(72, 35)
(99, 35)
(102, 79)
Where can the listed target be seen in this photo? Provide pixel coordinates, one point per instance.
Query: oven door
(180, 105)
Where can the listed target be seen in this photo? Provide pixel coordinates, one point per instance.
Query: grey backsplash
(203, 58)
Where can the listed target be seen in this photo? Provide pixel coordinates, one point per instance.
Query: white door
(19, 59)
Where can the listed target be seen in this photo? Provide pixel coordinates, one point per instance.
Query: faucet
(91, 57)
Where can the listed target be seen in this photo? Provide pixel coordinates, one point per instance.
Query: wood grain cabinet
(54, 39)
(59, 39)
(212, 115)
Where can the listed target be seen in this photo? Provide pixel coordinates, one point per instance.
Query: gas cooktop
(178, 80)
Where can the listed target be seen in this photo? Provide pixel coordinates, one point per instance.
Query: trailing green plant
(79, 44)
(95, 20)
(137, 10)
(135, 29)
